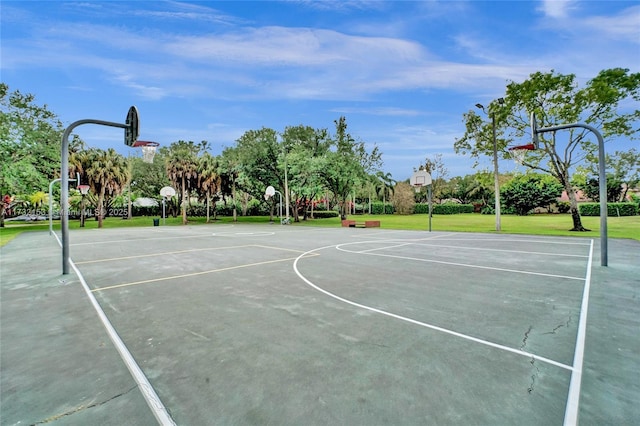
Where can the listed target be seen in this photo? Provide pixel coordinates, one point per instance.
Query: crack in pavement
(82, 407)
(560, 326)
(526, 336)
(534, 376)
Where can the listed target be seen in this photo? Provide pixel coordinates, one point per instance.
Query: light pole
(496, 174)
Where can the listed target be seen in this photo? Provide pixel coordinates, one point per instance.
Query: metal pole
(602, 187)
(496, 180)
(429, 193)
(64, 190)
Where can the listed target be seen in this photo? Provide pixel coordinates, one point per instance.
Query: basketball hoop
(518, 153)
(148, 149)
(84, 189)
(417, 187)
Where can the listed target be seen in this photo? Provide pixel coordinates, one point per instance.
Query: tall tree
(107, 173)
(384, 187)
(30, 138)
(305, 149)
(182, 169)
(557, 99)
(209, 181)
(346, 164)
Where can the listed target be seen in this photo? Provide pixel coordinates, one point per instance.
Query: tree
(625, 174)
(182, 169)
(438, 171)
(346, 164)
(591, 187)
(524, 193)
(384, 187)
(557, 99)
(30, 138)
(403, 199)
(208, 178)
(306, 149)
(107, 173)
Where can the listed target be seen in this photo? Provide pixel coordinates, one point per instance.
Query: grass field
(539, 224)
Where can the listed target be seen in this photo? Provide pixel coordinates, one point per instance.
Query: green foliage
(381, 208)
(613, 209)
(526, 192)
(591, 188)
(30, 137)
(403, 199)
(447, 208)
(563, 206)
(346, 164)
(324, 214)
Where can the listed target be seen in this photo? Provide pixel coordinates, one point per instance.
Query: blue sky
(403, 73)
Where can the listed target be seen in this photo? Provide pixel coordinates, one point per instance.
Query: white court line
(151, 397)
(415, 322)
(166, 253)
(573, 400)
(470, 248)
(466, 265)
(181, 237)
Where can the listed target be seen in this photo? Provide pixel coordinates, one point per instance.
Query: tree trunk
(184, 202)
(208, 205)
(575, 213)
(101, 210)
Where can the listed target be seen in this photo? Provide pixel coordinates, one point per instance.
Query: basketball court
(271, 324)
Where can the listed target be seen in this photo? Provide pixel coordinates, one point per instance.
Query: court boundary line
(148, 392)
(138, 256)
(193, 274)
(420, 323)
(466, 265)
(573, 399)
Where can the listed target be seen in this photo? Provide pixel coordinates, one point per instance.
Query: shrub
(446, 208)
(325, 214)
(380, 208)
(613, 209)
(403, 199)
(563, 206)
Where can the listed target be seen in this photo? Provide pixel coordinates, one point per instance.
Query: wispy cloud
(557, 8)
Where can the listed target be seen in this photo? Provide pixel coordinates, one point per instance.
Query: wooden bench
(361, 224)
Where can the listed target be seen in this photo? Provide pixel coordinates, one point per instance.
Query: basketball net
(519, 153)
(148, 152)
(417, 187)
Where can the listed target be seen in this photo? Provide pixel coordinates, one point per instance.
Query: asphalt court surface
(269, 324)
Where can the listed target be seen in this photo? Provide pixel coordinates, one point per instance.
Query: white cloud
(557, 8)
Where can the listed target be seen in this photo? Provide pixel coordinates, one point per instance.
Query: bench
(361, 224)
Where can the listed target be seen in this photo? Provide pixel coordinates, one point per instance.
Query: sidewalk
(57, 363)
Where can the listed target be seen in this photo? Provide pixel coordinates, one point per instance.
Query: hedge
(613, 209)
(377, 208)
(324, 214)
(446, 208)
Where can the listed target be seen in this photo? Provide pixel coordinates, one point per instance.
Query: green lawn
(540, 224)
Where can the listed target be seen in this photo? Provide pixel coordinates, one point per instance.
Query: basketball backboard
(167, 192)
(420, 178)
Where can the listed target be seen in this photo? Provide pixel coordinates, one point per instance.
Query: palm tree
(108, 174)
(209, 180)
(182, 169)
(385, 186)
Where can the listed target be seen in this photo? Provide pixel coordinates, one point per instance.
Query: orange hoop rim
(137, 144)
(527, 147)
